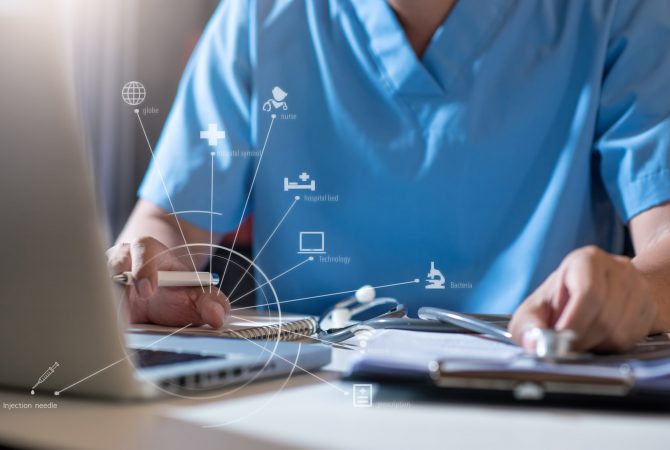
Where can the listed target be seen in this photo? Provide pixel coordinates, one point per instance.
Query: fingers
(601, 297)
(144, 265)
(187, 306)
(535, 312)
(585, 276)
(118, 259)
(166, 306)
(213, 309)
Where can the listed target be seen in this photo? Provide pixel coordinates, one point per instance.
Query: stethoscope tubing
(390, 323)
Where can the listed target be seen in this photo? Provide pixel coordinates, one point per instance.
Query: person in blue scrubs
(505, 143)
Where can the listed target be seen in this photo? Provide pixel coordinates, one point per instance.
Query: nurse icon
(277, 100)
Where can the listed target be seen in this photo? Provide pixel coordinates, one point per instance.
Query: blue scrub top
(526, 130)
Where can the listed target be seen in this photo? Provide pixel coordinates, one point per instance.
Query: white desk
(309, 413)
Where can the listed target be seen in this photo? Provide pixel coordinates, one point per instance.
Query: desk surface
(306, 412)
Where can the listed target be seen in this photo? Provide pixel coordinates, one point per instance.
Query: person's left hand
(146, 302)
(602, 297)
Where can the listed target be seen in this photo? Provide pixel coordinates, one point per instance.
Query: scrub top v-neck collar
(454, 45)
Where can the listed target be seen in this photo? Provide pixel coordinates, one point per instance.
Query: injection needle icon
(47, 373)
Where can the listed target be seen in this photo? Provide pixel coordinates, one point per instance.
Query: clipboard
(640, 377)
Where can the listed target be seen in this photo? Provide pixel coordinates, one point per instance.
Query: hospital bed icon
(294, 185)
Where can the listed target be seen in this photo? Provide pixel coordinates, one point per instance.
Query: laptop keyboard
(152, 358)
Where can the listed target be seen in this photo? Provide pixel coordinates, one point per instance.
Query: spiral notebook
(246, 325)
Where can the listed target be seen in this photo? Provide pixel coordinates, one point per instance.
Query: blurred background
(150, 41)
(116, 41)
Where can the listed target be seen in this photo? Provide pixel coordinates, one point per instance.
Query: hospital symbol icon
(362, 395)
(435, 278)
(212, 135)
(306, 184)
(277, 100)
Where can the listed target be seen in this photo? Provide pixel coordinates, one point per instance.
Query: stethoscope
(340, 322)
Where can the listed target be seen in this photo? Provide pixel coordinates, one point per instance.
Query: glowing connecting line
(47, 373)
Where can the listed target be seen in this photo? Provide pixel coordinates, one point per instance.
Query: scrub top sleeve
(633, 126)
(215, 90)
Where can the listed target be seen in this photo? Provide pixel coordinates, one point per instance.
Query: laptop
(60, 327)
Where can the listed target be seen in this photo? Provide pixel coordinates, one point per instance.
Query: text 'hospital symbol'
(213, 134)
(435, 278)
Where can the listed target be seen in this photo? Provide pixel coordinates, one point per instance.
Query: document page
(400, 350)
(424, 346)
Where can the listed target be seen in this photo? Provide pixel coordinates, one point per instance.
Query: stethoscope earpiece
(365, 298)
(365, 294)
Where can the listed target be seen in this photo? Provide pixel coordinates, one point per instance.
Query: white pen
(173, 279)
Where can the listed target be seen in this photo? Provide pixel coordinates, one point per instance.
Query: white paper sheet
(423, 346)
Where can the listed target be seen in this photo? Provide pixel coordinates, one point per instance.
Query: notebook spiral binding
(289, 331)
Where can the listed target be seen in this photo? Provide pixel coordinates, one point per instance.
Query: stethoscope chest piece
(344, 314)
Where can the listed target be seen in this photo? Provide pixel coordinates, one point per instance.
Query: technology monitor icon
(312, 242)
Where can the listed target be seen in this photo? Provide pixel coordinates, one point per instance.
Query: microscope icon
(435, 278)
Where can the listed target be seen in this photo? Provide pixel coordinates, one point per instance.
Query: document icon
(362, 395)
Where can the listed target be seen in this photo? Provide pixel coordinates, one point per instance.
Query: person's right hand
(171, 306)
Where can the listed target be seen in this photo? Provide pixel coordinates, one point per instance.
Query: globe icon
(133, 93)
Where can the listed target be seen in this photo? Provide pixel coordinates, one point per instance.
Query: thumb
(535, 312)
(144, 265)
(213, 309)
(531, 314)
